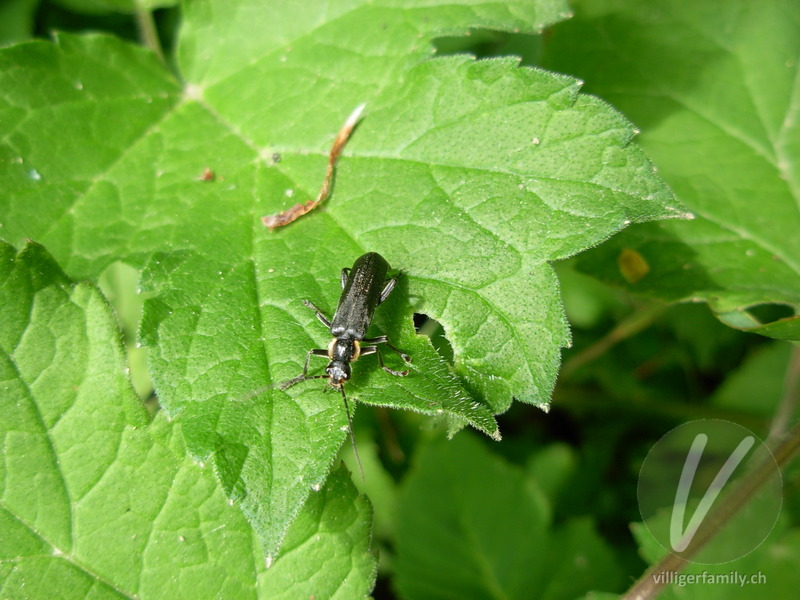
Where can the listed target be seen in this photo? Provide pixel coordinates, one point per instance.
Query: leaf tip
(681, 213)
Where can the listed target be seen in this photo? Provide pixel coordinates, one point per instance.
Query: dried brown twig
(298, 210)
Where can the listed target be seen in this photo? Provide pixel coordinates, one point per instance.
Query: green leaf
(74, 111)
(756, 387)
(551, 469)
(471, 526)
(61, 368)
(717, 103)
(94, 502)
(469, 176)
(326, 552)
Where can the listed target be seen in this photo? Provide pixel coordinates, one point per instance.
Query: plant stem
(791, 394)
(631, 325)
(148, 34)
(580, 401)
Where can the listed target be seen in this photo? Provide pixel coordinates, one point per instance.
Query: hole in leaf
(434, 330)
(483, 43)
(767, 313)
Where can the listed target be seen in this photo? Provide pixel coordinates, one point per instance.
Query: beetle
(364, 288)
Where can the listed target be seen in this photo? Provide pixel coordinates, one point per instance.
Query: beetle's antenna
(281, 385)
(285, 385)
(352, 434)
(253, 393)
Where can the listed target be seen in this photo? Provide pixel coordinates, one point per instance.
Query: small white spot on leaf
(194, 91)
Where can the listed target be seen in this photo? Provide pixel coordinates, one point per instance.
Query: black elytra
(364, 287)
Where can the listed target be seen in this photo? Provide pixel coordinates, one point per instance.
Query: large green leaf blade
(379, 38)
(58, 372)
(717, 102)
(327, 551)
(512, 168)
(468, 176)
(76, 113)
(95, 502)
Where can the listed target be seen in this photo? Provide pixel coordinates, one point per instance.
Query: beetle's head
(338, 372)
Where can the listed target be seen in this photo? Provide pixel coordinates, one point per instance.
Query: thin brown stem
(389, 436)
(789, 399)
(298, 210)
(631, 325)
(148, 34)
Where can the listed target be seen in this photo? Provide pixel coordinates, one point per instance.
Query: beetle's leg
(320, 315)
(345, 275)
(387, 289)
(374, 350)
(304, 375)
(382, 339)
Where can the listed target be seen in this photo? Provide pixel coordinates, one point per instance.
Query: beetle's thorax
(341, 351)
